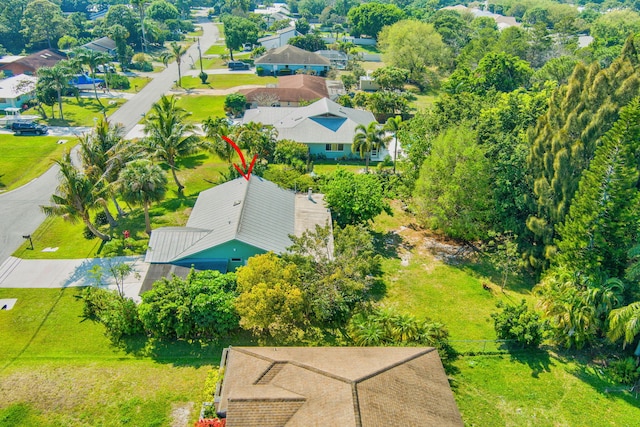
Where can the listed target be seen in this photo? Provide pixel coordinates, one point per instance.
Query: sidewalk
(63, 273)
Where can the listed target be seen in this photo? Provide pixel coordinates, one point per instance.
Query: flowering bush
(211, 422)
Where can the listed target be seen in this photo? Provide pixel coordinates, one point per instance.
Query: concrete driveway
(64, 273)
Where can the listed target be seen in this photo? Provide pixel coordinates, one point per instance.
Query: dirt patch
(180, 413)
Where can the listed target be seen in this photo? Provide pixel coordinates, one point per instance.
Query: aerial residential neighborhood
(218, 213)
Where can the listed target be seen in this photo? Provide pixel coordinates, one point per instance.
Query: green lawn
(79, 113)
(27, 157)
(58, 369)
(217, 49)
(226, 81)
(202, 106)
(137, 83)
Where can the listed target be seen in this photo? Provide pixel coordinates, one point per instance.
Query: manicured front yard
(79, 113)
(202, 106)
(27, 157)
(58, 369)
(226, 81)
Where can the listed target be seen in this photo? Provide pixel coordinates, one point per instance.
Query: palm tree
(74, 197)
(57, 78)
(176, 51)
(139, 5)
(625, 322)
(169, 136)
(257, 139)
(141, 182)
(97, 152)
(366, 331)
(393, 125)
(91, 59)
(366, 139)
(215, 129)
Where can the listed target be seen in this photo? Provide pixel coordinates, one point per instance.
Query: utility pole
(200, 56)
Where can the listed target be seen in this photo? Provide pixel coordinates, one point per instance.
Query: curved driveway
(20, 212)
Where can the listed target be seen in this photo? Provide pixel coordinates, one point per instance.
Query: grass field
(27, 157)
(202, 106)
(226, 81)
(58, 369)
(79, 113)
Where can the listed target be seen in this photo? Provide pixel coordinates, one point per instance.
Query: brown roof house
(30, 64)
(338, 386)
(288, 59)
(290, 91)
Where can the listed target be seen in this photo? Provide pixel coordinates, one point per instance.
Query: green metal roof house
(234, 221)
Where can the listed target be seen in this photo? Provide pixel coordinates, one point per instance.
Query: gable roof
(43, 58)
(291, 55)
(355, 386)
(295, 88)
(103, 44)
(256, 212)
(324, 121)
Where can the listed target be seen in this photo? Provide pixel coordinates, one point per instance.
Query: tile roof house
(103, 44)
(341, 386)
(289, 91)
(232, 222)
(279, 39)
(30, 64)
(288, 59)
(326, 127)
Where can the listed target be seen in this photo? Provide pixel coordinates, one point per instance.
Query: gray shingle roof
(291, 55)
(256, 212)
(333, 123)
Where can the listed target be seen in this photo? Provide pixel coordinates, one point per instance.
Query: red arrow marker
(246, 175)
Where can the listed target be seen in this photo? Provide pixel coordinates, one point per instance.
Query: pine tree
(565, 139)
(602, 221)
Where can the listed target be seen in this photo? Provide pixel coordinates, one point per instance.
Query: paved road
(131, 112)
(20, 212)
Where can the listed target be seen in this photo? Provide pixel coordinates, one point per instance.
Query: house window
(334, 147)
(236, 259)
(374, 151)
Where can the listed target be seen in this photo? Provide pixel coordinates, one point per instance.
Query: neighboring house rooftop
(256, 212)
(35, 61)
(103, 44)
(278, 34)
(289, 54)
(501, 20)
(16, 86)
(324, 121)
(8, 59)
(345, 386)
(295, 88)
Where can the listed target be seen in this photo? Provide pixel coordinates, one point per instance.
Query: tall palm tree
(141, 183)
(91, 59)
(393, 125)
(57, 78)
(366, 139)
(176, 51)
(169, 136)
(215, 129)
(97, 150)
(257, 139)
(74, 197)
(139, 5)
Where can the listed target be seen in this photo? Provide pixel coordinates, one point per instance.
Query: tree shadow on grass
(539, 361)
(481, 268)
(387, 243)
(193, 161)
(178, 352)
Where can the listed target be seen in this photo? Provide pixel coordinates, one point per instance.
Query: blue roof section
(331, 123)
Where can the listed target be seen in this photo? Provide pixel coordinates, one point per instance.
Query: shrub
(119, 315)
(88, 234)
(624, 371)
(517, 322)
(203, 77)
(118, 81)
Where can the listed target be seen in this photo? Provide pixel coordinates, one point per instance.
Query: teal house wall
(235, 252)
